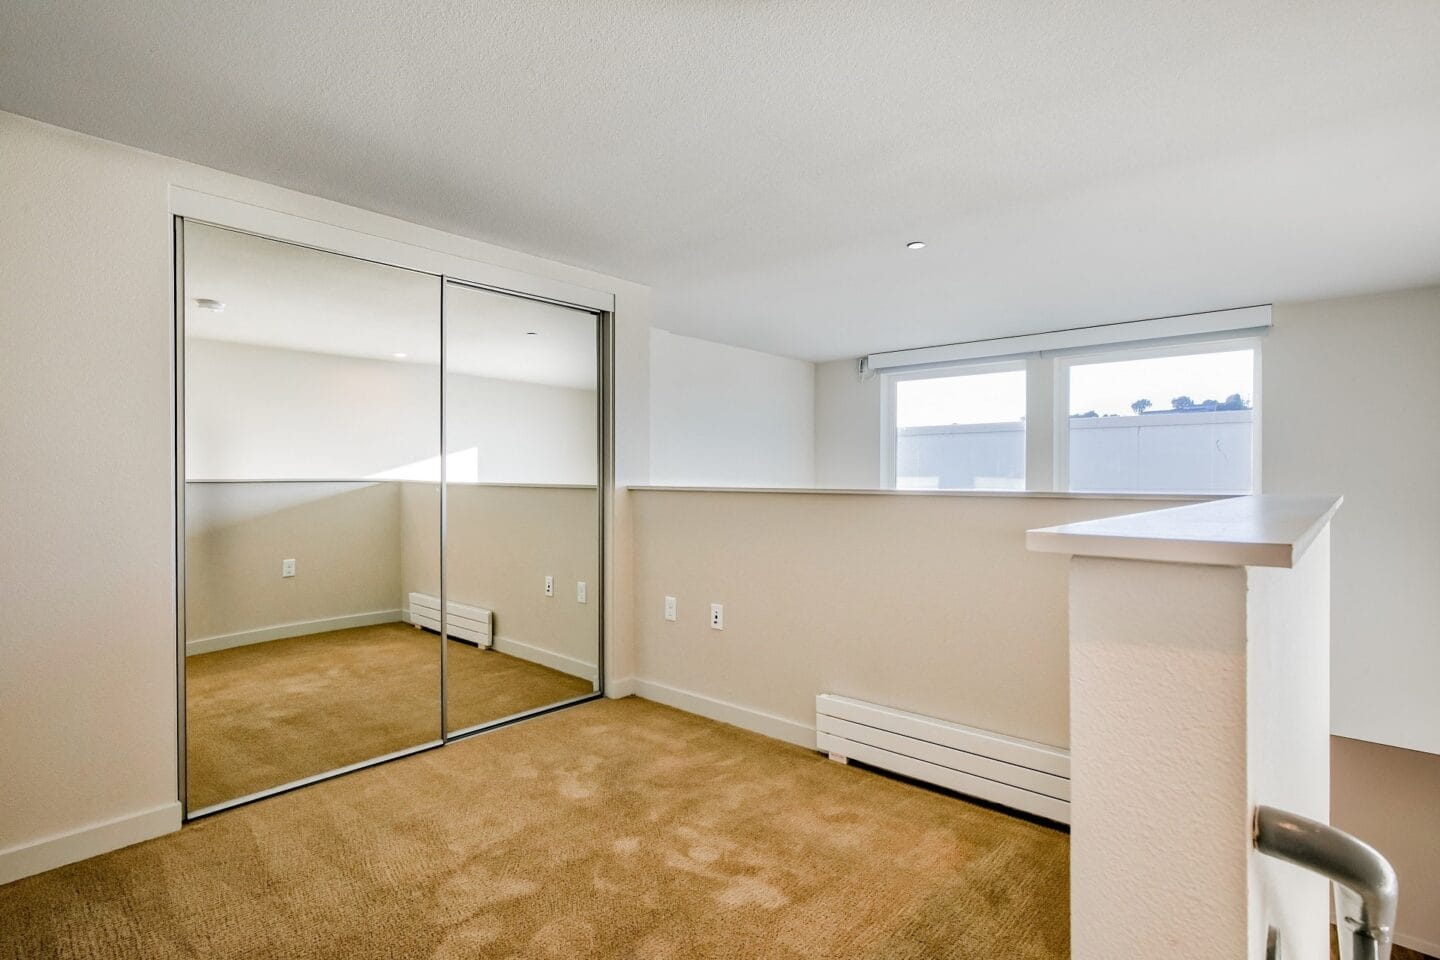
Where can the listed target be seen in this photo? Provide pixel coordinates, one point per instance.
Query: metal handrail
(1366, 888)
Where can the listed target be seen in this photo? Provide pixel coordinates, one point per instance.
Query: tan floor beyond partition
(618, 830)
(271, 713)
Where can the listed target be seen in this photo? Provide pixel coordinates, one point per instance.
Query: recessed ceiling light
(399, 356)
(205, 303)
(915, 245)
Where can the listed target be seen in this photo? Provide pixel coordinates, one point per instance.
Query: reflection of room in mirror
(521, 405)
(313, 465)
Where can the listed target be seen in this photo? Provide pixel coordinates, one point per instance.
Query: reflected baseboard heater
(462, 621)
(1019, 774)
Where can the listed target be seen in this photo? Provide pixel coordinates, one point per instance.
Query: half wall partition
(372, 458)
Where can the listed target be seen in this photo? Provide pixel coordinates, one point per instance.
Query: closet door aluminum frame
(604, 333)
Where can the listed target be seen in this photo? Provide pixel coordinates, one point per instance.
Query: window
(1157, 421)
(960, 428)
(1176, 415)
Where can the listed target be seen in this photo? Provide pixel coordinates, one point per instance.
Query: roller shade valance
(1131, 331)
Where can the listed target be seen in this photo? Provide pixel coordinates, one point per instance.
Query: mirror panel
(523, 505)
(312, 467)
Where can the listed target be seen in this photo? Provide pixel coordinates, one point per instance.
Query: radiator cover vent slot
(1019, 774)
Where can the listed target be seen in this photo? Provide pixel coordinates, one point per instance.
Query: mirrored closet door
(312, 409)
(522, 508)
(327, 542)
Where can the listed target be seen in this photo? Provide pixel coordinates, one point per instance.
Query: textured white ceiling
(762, 164)
(281, 295)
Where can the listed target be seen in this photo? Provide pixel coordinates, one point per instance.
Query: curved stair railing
(1365, 886)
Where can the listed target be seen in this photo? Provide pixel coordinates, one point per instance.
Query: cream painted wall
(1348, 396)
(267, 413)
(501, 542)
(721, 415)
(1391, 798)
(927, 602)
(87, 630)
(344, 538)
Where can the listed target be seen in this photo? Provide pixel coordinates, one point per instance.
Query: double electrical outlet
(717, 613)
(579, 589)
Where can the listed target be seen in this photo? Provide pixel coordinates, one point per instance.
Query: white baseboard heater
(462, 621)
(1019, 774)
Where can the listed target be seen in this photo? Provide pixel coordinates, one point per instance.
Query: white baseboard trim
(285, 630)
(51, 852)
(1427, 947)
(546, 658)
(620, 688)
(747, 718)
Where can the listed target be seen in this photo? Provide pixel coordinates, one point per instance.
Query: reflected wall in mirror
(522, 529)
(312, 463)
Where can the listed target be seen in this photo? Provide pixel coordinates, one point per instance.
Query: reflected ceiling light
(205, 303)
(915, 245)
(399, 356)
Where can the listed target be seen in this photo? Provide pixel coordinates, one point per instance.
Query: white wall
(724, 416)
(264, 413)
(1192, 702)
(1351, 395)
(87, 629)
(849, 433)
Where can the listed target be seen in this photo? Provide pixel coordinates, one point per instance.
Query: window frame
(890, 380)
(1060, 414)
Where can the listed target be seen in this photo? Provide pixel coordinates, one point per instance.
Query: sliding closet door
(522, 506)
(311, 441)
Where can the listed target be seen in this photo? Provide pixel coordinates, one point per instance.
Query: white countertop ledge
(1268, 530)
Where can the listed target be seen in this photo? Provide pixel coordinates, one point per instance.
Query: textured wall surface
(1197, 692)
(762, 164)
(1160, 829)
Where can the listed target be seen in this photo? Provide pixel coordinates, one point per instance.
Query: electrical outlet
(717, 617)
(580, 591)
(549, 586)
(669, 608)
(287, 568)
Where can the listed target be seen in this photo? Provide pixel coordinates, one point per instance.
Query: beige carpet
(266, 714)
(619, 830)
